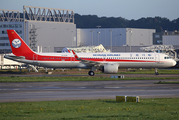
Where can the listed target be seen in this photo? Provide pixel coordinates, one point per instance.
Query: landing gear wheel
(91, 73)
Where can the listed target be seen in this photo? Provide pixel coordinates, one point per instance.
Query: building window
(4, 38)
(5, 51)
(19, 31)
(7, 44)
(2, 44)
(159, 41)
(4, 32)
(4, 26)
(157, 36)
(11, 26)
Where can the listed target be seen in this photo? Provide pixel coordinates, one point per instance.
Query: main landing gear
(91, 73)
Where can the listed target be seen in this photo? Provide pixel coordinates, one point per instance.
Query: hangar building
(171, 38)
(42, 29)
(116, 36)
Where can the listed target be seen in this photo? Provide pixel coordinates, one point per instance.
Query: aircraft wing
(88, 62)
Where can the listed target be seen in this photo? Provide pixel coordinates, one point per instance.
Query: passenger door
(157, 58)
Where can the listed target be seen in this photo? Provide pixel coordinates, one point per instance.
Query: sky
(128, 9)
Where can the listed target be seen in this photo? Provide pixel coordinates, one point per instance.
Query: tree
(158, 23)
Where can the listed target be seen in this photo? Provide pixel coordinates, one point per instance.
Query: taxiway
(80, 90)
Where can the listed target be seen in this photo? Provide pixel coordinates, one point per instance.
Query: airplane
(106, 62)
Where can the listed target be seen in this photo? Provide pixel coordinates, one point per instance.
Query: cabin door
(157, 58)
(104, 58)
(35, 58)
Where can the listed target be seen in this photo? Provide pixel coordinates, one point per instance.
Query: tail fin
(18, 46)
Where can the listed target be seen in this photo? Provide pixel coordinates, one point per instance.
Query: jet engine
(110, 68)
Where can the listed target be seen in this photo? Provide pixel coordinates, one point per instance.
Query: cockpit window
(167, 58)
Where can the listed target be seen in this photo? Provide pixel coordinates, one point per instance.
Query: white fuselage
(124, 60)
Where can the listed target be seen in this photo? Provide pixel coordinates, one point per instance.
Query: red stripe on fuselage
(65, 58)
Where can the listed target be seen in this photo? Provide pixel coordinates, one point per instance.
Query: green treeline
(158, 23)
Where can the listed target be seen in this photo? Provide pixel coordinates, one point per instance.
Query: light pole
(98, 37)
(120, 40)
(45, 48)
(130, 33)
(72, 37)
(98, 33)
(49, 48)
(91, 37)
(111, 39)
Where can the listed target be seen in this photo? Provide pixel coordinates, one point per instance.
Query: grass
(5, 79)
(82, 78)
(158, 108)
(85, 71)
(150, 71)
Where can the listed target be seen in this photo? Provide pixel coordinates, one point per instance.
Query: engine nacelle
(110, 68)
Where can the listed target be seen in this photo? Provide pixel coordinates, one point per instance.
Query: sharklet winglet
(75, 55)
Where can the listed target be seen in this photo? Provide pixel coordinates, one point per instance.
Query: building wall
(120, 37)
(170, 39)
(4, 40)
(4, 61)
(157, 39)
(47, 35)
(137, 37)
(50, 35)
(87, 37)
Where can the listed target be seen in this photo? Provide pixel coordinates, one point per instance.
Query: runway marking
(81, 87)
(112, 87)
(16, 89)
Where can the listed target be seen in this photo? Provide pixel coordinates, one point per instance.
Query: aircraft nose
(174, 62)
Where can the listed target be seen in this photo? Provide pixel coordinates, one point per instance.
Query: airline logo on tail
(16, 43)
(18, 46)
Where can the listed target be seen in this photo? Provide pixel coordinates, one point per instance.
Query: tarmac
(82, 90)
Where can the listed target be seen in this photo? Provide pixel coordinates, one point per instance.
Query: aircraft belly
(145, 65)
(135, 65)
(164, 65)
(57, 64)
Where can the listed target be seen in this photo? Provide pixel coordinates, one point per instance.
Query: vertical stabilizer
(18, 46)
